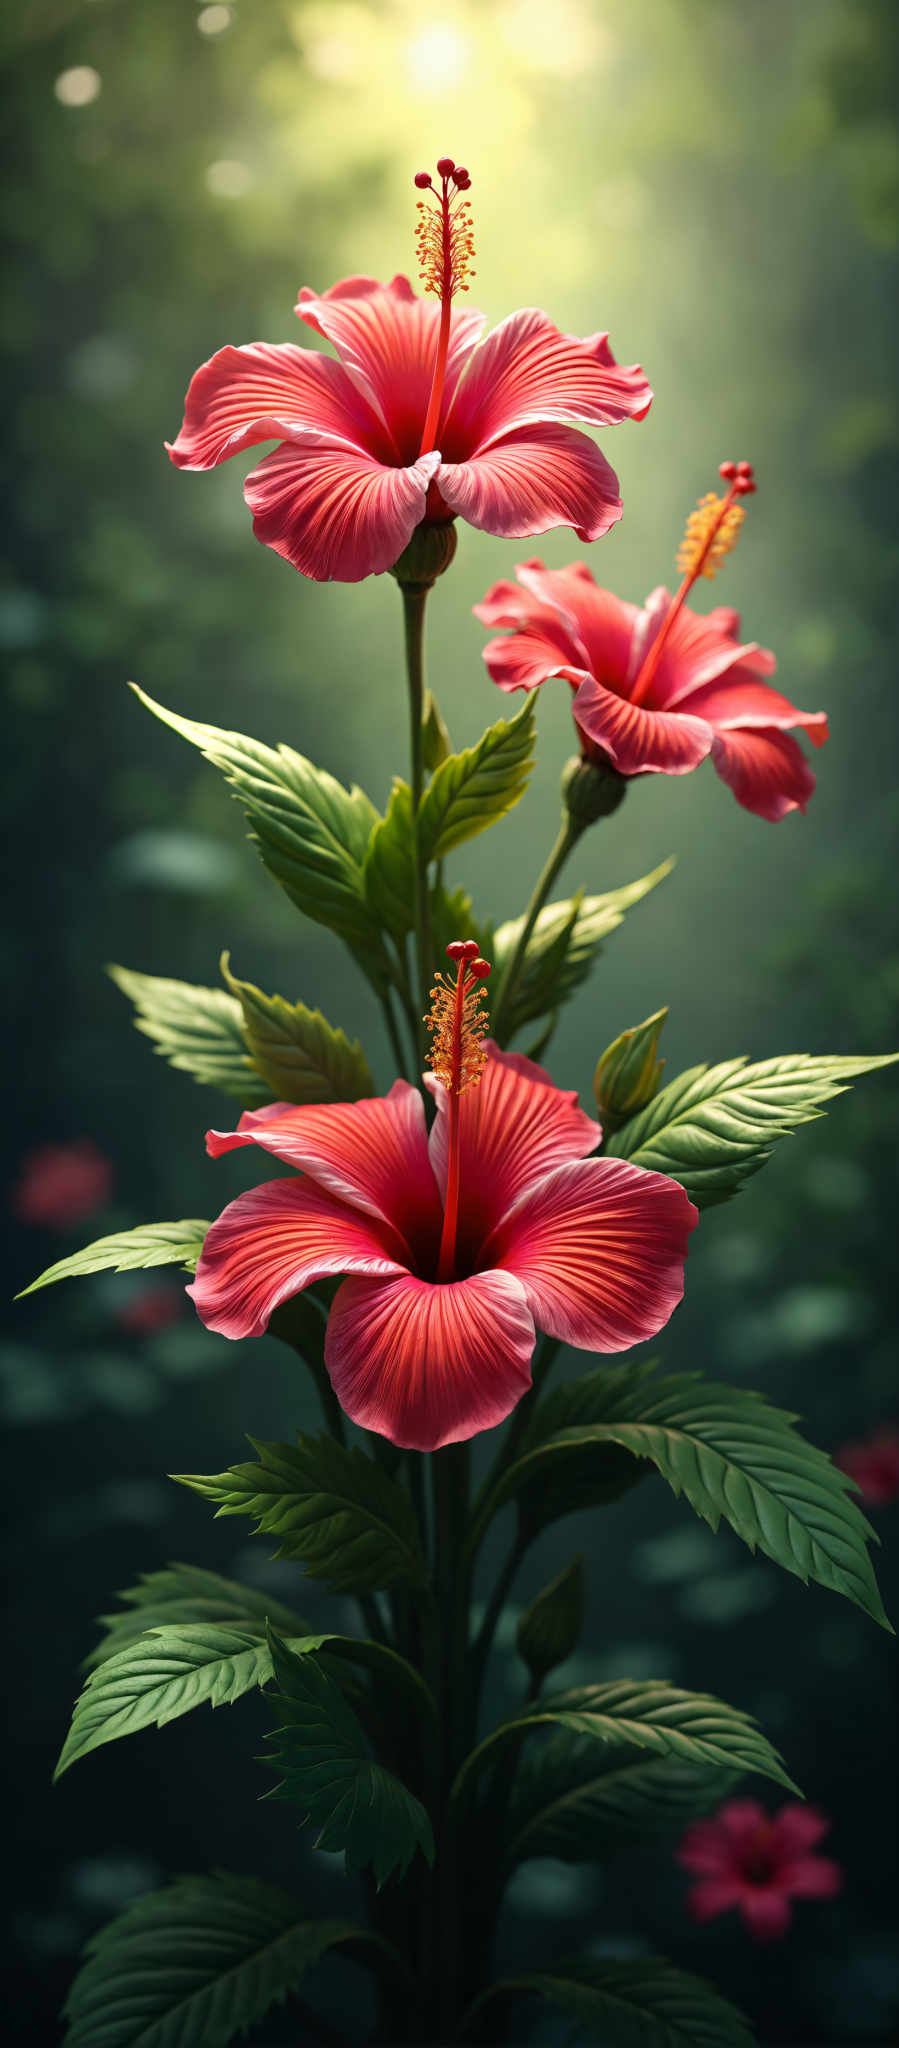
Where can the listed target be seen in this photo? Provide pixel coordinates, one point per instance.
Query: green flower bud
(549, 1630)
(591, 789)
(628, 1075)
(426, 555)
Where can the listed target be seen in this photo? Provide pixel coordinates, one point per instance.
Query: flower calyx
(591, 788)
(426, 556)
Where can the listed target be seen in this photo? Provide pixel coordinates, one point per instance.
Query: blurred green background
(718, 184)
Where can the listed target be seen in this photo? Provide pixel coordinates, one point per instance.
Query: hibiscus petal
(640, 741)
(712, 1896)
(712, 1845)
(373, 1154)
(600, 1248)
(766, 1911)
(427, 1365)
(336, 513)
(514, 1127)
(268, 393)
(767, 771)
(521, 661)
(738, 700)
(604, 624)
(526, 371)
(813, 1877)
(797, 1829)
(386, 338)
(271, 1242)
(698, 648)
(538, 477)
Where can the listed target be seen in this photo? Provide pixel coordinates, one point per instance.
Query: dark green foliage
(727, 1451)
(715, 1126)
(389, 864)
(550, 1629)
(197, 1964)
(199, 1030)
(577, 1800)
(565, 942)
(335, 1509)
(186, 1593)
(644, 2004)
(300, 1056)
(472, 790)
(356, 1804)
(163, 1674)
(650, 1715)
(312, 833)
(148, 1244)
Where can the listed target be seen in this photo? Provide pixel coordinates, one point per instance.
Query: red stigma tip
(456, 950)
(445, 166)
(745, 486)
(726, 469)
(480, 969)
(422, 180)
(744, 469)
(461, 175)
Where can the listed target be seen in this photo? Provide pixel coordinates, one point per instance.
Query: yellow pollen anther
(457, 1025)
(711, 532)
(445, 245)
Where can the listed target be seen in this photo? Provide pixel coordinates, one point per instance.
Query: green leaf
(565, 942)
(356, 1804)
(389, 864)
(550, 1629)
(300, 1057)
(312, 833)
(148, 1244)
(642, 2004)
(472, 790)
(579, 1802)
(651, 1715)
(162, 1675)
(185, 1593)
(436, 742)
(198, 1963)
(732, 1456)
(335, 1509)
(714, 1126)
(452, 918)
(199, 1030)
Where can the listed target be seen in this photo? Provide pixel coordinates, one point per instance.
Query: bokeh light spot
(228, 179)
(77, 87)
(214, 20)
(438, 58)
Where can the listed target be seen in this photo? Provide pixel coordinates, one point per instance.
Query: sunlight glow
(438, 58)
(214, 20)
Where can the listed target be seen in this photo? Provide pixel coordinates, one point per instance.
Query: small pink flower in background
(873, 1463)
(741, 1856)
(149, 1310)
(457, 1245)
(413, 421)
(59, 1185)
(657, 689)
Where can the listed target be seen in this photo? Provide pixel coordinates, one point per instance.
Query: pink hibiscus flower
(62, 1184)
(413, 422)
(743, 1857)
(874, 1465)
(455, 1245)
(657, 689)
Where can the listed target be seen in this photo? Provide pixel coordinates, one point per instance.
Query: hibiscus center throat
(711, 532)
(445, 247)
(457, 1021)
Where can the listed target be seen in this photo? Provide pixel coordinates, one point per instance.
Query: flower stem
(414, 601)
(568, 834)
(396, 1044)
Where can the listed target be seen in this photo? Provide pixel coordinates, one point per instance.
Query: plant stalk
(415, 597)
(568, 834)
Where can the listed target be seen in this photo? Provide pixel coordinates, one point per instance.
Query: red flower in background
(62, 1184)
(873, 1463)
(149, 1309)
(456, 1245)
(746, 1858)
(413, 421)
(657, 689)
